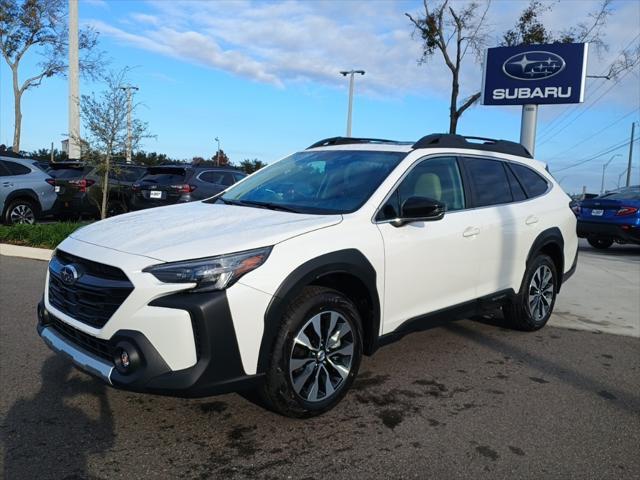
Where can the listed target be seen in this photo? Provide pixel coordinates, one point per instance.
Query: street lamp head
(344, 73)
(361, 72)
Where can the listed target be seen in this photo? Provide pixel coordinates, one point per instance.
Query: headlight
(213, 273)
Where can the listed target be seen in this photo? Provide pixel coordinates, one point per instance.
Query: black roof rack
(327, 142)
(444, 140)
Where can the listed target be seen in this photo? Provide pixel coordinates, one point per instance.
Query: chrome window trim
(459, 156)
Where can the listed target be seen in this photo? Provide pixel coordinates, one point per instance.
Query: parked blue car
(612, 217)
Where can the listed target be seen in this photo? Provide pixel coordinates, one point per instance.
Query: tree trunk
(105, 187)
(453, 107)
(17, 97)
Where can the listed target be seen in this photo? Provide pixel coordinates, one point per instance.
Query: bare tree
(40, 25)
(453, 34)
(105, 121)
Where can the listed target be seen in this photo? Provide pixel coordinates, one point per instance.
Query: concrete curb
(25, 252)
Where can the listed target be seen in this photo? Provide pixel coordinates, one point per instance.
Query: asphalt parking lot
(470, 399)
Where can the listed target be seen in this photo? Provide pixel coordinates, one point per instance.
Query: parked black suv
(79, 189)
(169, 184)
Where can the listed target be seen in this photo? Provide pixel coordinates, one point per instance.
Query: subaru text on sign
(535, 74)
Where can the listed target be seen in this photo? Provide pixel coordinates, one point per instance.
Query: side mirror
(419, 209)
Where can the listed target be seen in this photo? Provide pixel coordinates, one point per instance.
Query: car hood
(197, 229)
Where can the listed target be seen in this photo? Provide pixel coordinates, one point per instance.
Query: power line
(580, 142)
(586, 109)
(569, 110)
(610, 149)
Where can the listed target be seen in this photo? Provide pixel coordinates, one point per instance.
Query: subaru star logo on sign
(535, 74)
(69, 274)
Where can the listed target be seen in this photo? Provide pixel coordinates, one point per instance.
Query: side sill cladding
(348, 262)
(552, 242)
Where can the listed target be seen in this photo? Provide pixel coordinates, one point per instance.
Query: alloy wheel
(22, 214)
(541, 292)
(321, 356)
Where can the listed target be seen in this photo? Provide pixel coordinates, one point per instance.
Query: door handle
(531, 219)
(471, 232)
(7, 184)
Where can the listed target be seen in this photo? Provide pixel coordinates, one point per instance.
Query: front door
(429, 265)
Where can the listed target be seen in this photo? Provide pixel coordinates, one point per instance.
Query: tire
(532, 307)
(600, 243)
(21, 211)
(302, 379)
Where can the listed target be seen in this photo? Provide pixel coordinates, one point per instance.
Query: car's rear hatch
(162, 185)
(70, 179)
(608, 210)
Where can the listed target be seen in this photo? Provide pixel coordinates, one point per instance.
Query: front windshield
(322, 182)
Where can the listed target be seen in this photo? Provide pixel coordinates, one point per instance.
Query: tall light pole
(351, 73)
(74, 86)
(604, 167)
(217, 157)
(128, 89)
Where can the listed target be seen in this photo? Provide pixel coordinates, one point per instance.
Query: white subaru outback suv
(282, 282)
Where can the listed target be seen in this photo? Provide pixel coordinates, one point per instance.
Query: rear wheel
(532, 307)
(600, 242)
(316, 355)
(20, 211)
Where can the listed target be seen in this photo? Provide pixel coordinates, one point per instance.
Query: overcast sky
(263, 77)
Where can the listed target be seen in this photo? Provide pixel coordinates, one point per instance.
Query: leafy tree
(44, 154)
(150, 158)
(220, 158)
(40, 25)
(251, 165)
(105, 121)
(453, 33)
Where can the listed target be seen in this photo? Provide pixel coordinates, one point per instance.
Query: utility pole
(74, 85)
(128, 88)
(51, 161)
(351, 73)
(633, 131)
(217, 157)
(604, 167)
(528, 127)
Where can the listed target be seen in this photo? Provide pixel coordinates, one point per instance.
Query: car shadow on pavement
(622, 400)
(47, 436)
(630, 252)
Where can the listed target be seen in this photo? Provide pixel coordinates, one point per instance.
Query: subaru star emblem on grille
(533, 65)
(69, 274)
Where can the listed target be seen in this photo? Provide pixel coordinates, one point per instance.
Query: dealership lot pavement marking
(469, 399)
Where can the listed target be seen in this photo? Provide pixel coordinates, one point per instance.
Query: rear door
(428, 265)
(510, 222)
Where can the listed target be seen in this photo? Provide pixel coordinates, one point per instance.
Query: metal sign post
(532, 75)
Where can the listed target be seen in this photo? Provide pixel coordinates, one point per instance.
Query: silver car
(26, 191)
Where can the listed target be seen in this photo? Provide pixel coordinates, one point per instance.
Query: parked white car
(282, 282)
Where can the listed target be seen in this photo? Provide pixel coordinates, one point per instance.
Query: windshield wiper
(269, 205)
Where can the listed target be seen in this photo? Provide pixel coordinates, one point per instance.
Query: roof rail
(351, 140)
(444, 140)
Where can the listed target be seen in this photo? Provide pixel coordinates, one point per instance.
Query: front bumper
(218, 368)
(622, 232)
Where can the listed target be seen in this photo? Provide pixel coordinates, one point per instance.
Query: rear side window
(489, 181)
(16, 168)
(212, 176)
(532, 182)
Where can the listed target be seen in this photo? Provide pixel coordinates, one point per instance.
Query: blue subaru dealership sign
(535, 74)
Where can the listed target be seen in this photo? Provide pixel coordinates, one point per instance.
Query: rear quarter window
(16, 168)
(532, 182)
(489, 181)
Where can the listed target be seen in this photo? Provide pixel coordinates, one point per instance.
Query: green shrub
(46, 235)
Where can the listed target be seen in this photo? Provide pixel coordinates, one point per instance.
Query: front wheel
(20, 211)
(316, 355)
(532, 307)
(599, 242)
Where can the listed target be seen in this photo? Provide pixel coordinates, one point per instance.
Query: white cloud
(295, 41)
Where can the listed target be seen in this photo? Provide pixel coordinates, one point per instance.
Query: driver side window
(436, 178)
